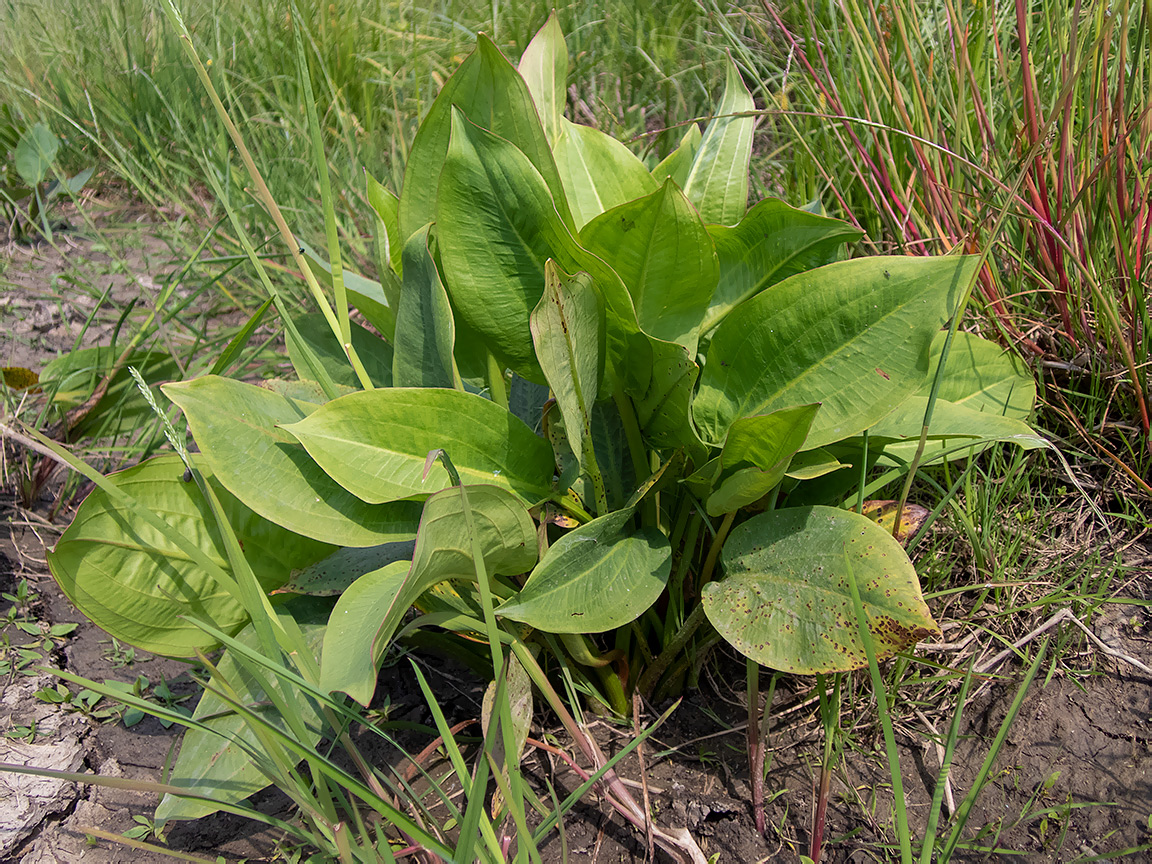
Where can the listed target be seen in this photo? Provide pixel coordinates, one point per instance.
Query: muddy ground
(1073, 781)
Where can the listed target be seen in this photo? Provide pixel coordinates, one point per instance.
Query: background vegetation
(1023, 126)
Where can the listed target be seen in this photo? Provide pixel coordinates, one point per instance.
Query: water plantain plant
(610, 415)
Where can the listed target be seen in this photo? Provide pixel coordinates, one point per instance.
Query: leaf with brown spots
(785, 599)
(19, 378)
(883, 513)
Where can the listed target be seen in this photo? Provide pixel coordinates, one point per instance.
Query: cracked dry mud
(1077, 763)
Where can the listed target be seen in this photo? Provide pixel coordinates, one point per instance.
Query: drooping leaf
(348, 664)
(664, 255)
(375, 353)
(237, 427)
(599, 576)
(35, 153)
(785, 599)
(598, 172)
(756, 454)
(676, 165)
(811, 464)
(568, 331)
(334, 574)
(853, 336)
(213, 763)
(982, 376)
(425, 331)
(984, 394)
(952, 425)
(137, 584)
(375, 443)
(367, 615)
(544, 68)
(772, 242)
(717, 182)
(497, 226)
(492, 94)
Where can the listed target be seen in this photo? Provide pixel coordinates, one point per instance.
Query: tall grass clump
(927, 120)
(110, 78)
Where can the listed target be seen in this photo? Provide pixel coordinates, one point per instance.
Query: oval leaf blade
(785, 599)
(137, 584)
(772, 242)
(375, 443)
(487, 89)
(717, 182)
(853, 336)
(367, 614)
(237, 425)
(497, 227)
(600, 576)
(664, 255)
(598, 172)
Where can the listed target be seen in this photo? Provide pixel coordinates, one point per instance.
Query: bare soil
(1073, 781)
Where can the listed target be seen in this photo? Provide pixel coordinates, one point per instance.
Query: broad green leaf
(35, 153)
(368, 613)
(664, 255)
(568, 331)
(811, 464)
(599, 576)
(717, 182)
(598, 172)
(375, 443)
(952, 423)
(756, 454)
(772, 242)
(984, 394)
(375, 353)
(338, 571)
(491, 93)
(302, 391)
(212, 762)
(237, 427)
(982, 376)
(73, 378)
(853, 336)
(785, 601)
(661, 378)
(496, 227)
(386, 206)
(676, 165)
(425, 331)
(544, 68)
(365, 294)
(347, 663)
(137, 584)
